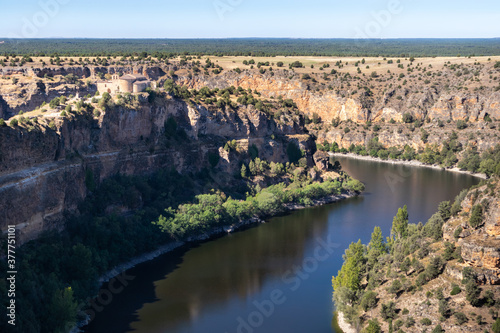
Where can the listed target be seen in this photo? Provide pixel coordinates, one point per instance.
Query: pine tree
(400, 224)
(444, 209)
(349, 275)
(472, 293)
(377, 241)
(244, 172)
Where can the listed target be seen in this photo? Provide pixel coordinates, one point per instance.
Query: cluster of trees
(450, 154)
(15, 61)
(217, 210)
(141, 48)
(397, 264)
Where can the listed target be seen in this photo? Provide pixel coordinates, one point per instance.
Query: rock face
(327, 105)
(29, 95)
(480, 248)
(362, 107)
(322, 160)
(44, 172)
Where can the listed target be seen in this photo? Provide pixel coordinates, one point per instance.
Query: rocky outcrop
(480, 247)
(322, 160)
(312, 99)
(326, 104)
(485, 260)
(30, 95)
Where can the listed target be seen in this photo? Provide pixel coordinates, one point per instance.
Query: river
(275, 277)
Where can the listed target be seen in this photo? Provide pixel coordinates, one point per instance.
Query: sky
(250, 18)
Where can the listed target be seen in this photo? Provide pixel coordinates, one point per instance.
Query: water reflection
(236, 266)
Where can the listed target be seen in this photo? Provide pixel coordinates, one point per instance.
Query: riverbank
(212, 233)
(409, 163)
(344, 325)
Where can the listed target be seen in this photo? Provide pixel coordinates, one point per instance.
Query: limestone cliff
(45, 170)
(480, 246)
(430, 102)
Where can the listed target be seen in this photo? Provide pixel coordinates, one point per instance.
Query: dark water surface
(275, 277)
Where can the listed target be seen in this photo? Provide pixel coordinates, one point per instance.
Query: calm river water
(275, 277)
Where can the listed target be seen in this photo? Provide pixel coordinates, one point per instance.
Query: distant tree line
(251, 47)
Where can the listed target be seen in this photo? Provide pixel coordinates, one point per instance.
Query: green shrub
(444, 308)
(14, 122)
(455, 290)
(355, 185)
(434, 227)
(489, 298)
(407, 118)
(373, 327)
(461, 318)
(425, 321)
(369, 300)
(461, 124)
(444, 209)
(54, 103)
(395, 287)
(2, 122)
(438, 329)
(388, 311)
(468, 274)
(449, 250)
(410, 322)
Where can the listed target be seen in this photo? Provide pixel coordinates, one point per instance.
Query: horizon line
(291, 38)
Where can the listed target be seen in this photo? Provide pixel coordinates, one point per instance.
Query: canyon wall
(328, 104)
(44, 172)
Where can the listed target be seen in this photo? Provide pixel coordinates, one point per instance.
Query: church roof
(133, 77)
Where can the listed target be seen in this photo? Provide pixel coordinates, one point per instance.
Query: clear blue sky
(250, 18)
